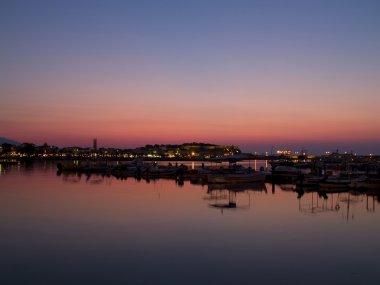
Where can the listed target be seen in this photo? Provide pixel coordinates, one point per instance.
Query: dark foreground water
(79, 230)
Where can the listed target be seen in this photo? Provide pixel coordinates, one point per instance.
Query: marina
(330, 173)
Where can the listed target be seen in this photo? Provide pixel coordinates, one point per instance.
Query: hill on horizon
(6, 140)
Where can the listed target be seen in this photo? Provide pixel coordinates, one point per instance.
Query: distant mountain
(5, 140)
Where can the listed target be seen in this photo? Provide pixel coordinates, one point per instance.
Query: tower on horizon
(95, 144)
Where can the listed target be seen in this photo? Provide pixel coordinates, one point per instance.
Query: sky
(258, 74)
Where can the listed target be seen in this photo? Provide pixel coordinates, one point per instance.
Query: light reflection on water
(100, 230)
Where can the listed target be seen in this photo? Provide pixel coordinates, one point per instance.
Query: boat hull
(236, 178)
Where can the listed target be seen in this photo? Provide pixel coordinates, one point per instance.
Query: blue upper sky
(281, 55)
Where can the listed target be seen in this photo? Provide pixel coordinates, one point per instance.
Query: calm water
(74, 230)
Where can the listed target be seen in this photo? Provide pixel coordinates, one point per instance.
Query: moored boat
(309, 181)
(335, 182)
(161, 172)
(370, 183)
(236, 177)
(70, 167)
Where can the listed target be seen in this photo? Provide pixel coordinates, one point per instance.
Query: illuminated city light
(283, 152)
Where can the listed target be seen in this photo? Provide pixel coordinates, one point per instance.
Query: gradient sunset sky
(257, 74)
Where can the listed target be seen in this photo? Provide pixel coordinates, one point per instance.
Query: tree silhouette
(7, 148)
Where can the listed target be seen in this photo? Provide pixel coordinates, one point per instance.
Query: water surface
(100, 230)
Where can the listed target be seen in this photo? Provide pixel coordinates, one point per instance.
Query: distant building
(283, 152)
(95, 144)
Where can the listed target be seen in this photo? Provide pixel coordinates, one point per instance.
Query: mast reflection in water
(78, 229)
